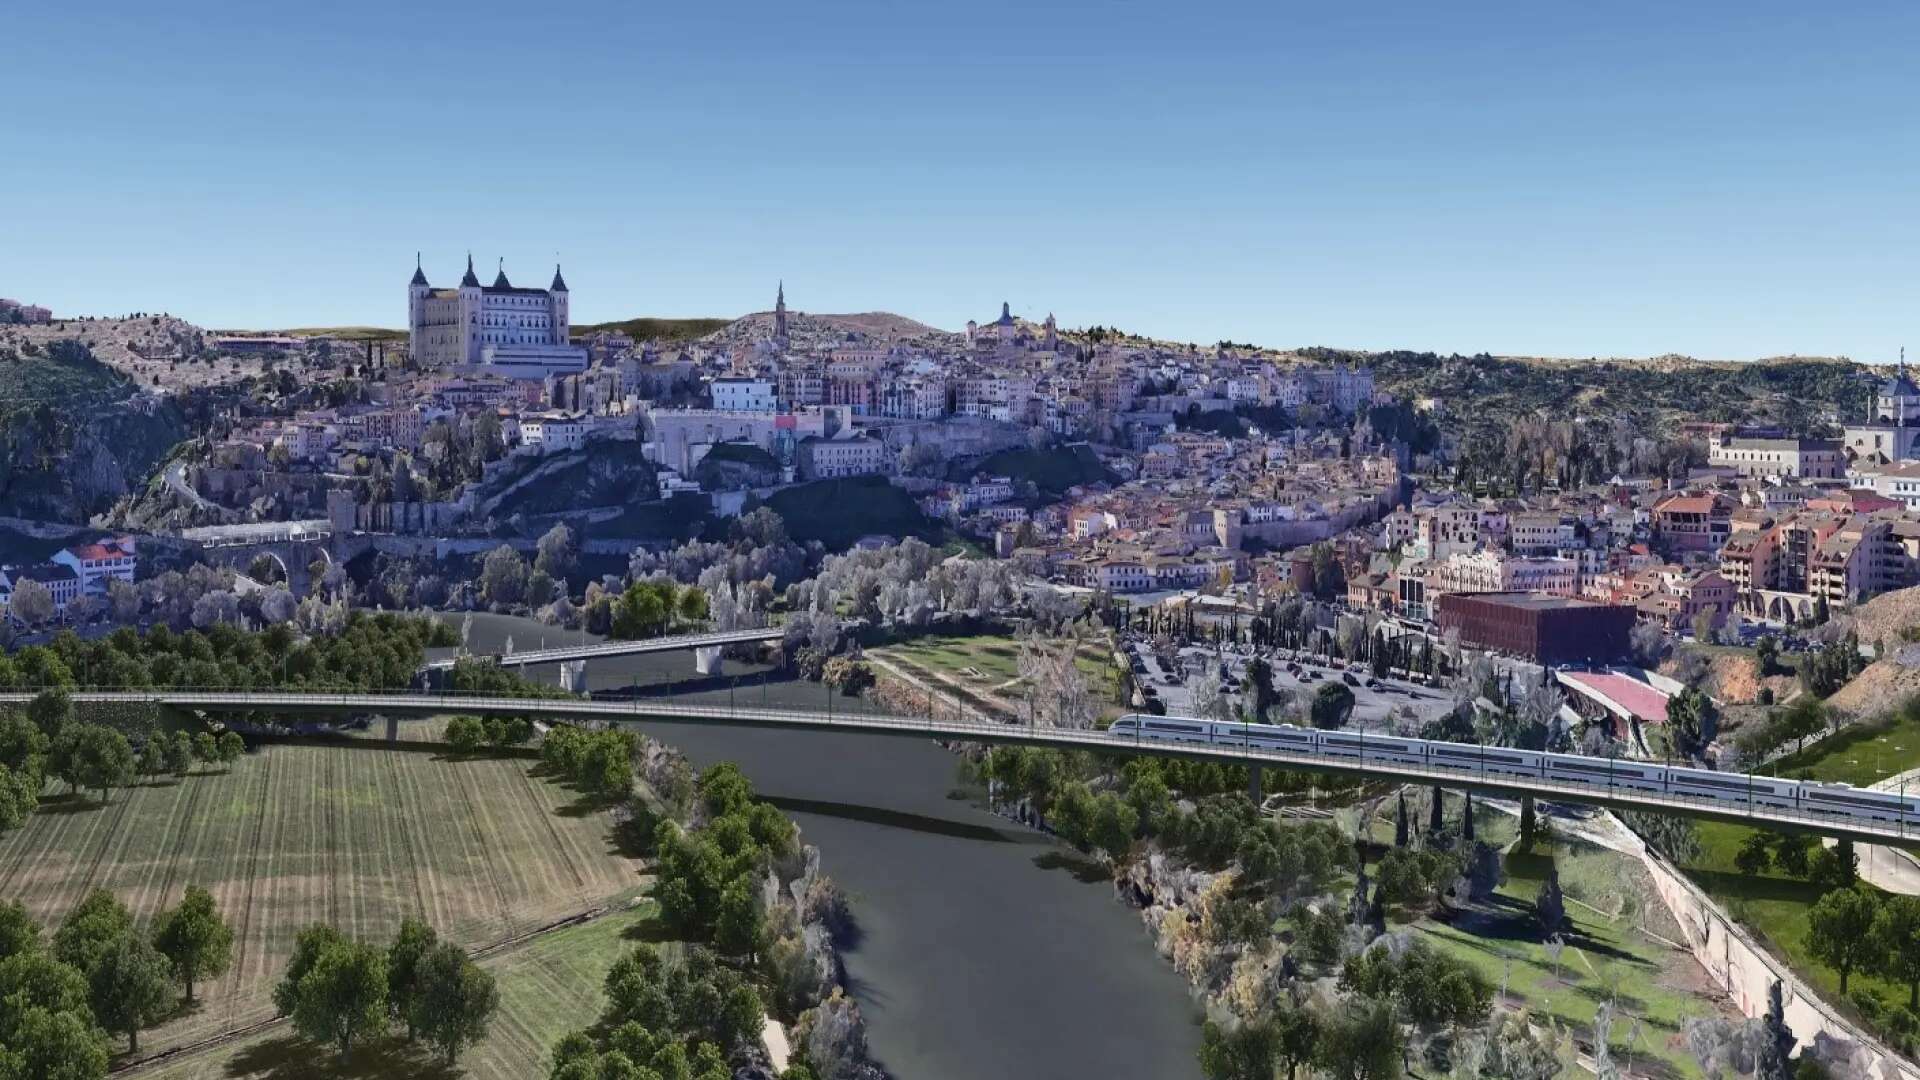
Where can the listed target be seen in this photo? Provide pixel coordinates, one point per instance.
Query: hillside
(605, 472)
(1052, 471)
(651, 329)
(343, 333)
(838, 512)
(71, 441)
(156, 350)
(808, 330)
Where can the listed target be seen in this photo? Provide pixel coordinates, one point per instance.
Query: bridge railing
(865, 717)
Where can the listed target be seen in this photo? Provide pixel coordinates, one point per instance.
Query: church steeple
(470, 281)
(419, 275)
(780, 312)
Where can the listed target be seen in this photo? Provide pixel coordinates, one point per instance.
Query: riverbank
(980, 952)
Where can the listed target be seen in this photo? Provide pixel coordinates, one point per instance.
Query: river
(980, 953)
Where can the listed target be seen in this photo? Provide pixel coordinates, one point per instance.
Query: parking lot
(1373, 699)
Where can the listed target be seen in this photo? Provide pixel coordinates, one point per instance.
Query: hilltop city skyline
(1712, 180)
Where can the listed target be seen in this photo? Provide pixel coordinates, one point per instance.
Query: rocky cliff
(75, 435)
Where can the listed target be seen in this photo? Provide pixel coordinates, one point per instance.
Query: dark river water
(980, 953)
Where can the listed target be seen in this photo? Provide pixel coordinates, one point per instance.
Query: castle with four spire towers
(501, 328)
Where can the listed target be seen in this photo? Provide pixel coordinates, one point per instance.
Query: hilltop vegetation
(649, 329)
(344, 333)
(1797, 394)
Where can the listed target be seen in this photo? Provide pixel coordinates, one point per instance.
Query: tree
(503, 576)
(35, 980)
(1755, 856)
(92, 756)
(466, 734)
(1247, 1052)
(643, 610)
(453, 1001)
(1332, 705)
(556, 553)
(1839, 931)
(1896, 938)
(1362, 1043)
(32, 602)
(179, 752)
(343, 996)
(130, 989)
(230, 746)
(51, 711)
(1550, 907)
(153, 758)
(1766, 654)
(739, 928)
(1296, 1038)
(47, 1044)
(90, 930)
(194, 937)
(18, 932)
(1693, 719)
(206, 748)
(410, 947)
(1834, 868)
(313, 940)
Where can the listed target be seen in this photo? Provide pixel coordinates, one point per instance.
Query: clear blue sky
(1726, 180)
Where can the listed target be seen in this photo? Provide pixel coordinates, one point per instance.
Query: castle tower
(469, 315)
(1053, 333)
(417, 291)
(557, 307)
(780, 314)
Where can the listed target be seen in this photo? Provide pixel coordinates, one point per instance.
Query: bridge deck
(426, 704)
(619, 648)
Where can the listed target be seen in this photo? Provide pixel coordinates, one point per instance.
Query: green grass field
(990, 664)
(548, 986)
(1608, 957)
(359, 837)
(1774, 906)
(1859, 754)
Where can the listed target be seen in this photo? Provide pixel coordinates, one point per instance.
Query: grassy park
(987, 666)
(356, 836)
(1609, 955)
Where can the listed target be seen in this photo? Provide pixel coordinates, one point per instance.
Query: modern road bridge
(603, 649)
(1596, 792)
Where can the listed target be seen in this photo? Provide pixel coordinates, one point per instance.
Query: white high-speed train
(1605, 774)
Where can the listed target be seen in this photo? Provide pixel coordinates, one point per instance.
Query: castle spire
(470, 281)
(559, 283)
(500, 279)
(419, 275)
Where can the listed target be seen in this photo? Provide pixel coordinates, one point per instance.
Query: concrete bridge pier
(1253, 783)
(393, 728)
(707, 660)
(573, 676)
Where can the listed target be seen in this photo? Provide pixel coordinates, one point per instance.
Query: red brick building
(1543, 628)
